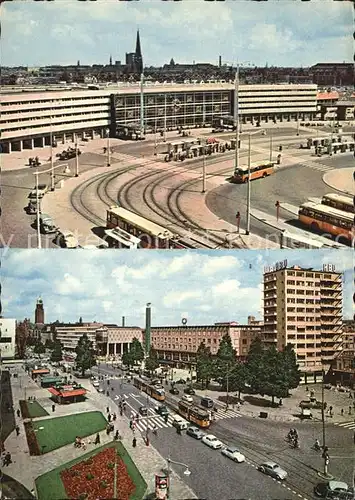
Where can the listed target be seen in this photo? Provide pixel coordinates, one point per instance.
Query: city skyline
(40, 34)
(105, 285)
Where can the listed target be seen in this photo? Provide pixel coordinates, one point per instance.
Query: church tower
(39, 312)
(138, 60)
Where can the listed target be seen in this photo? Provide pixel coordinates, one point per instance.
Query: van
(207, 402)
(180, 422)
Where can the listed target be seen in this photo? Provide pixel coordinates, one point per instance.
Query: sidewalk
(341, 180)
(25, 468)
(290, 409)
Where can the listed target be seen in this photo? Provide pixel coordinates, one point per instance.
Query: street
(259, 440)
(160, 194)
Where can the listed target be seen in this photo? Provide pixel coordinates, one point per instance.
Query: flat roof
(318, 207)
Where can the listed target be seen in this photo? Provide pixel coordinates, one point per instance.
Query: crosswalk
(347, 425)
(154, 419)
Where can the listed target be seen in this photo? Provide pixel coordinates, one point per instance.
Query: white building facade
(7, 338)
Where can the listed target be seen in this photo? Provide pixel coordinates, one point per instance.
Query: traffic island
(106, 472)
(50, 434)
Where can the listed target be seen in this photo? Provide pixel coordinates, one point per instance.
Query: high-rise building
(303, 307)
(138, 60)
(7, 338)
(39, 312)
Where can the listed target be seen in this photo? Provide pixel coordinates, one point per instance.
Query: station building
(35, 117)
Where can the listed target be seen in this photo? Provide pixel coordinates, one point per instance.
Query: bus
(150, 234)
(339, 201)
(257, 170)
(145, 386)
(194, 414)
(328, 220)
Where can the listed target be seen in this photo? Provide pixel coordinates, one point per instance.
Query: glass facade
(174, 109)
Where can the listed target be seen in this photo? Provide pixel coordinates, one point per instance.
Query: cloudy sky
(202, 286)
(284, 33)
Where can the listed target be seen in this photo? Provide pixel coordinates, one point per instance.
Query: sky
(276, 32)
(103, 285)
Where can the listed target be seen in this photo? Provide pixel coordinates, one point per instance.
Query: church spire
(138, 56)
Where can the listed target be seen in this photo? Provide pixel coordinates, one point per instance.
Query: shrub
(103, 484)
(110, 465)
(75, 473)
(89, 476)
(83, 496)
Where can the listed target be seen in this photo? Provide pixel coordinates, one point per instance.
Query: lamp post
(204, 167)
(164, 117)
(39, 240)
(236, 119)
(187, 472)
(76, 160)
(271, 147)
(247, 231)
(108, 150)
(51, 150)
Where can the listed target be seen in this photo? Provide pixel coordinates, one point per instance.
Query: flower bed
(94, 478)
(31, 439)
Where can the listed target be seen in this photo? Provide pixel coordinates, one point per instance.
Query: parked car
(143, 410)
(272, 469)
(189, 390)
(32, 206)
(211, 441)
(333, 489)
(233, 453)
(67, 239)
(162, 410)
(174, 390)
(195, 432)
(180, 381)
(42, 190)
(47, 225)
(207, 402)
(187, 398)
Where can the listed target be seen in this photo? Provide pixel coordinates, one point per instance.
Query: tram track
(256, 453)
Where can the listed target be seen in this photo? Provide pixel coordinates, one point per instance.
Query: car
(42, 190)
(211, 441)
(96, 384)
(195, 432)
(180, 423)
(189, 390)
(143, 410)
(67, 239)
(46, 224)
(174, 390)
(187, 398)
(180, 381)
(162, 410)
(233, 453)
(273, 469)
(333, 489)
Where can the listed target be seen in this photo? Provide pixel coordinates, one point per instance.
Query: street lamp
(247, 231)
(187, 472)
(39, 240)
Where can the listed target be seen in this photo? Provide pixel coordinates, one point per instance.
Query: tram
(144, 386)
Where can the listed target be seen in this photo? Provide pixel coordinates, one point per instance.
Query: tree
(137, 351)
(39, 348)
(291, 368)
(85, 354)
(256, 371)
(238, 378)
(57, 352)
(22, 336)
(204, 365)
(225, 360)
(152, 363)
(127, 359)
(49, 344)
(274, 384)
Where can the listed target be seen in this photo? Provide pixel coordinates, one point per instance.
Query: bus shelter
(67, 394)
(51, 381)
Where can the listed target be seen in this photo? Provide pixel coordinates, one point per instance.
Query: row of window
(28, 120)
(78, 122)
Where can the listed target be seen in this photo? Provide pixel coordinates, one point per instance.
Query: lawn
(32, 409)
(50, 486)
(54, 433)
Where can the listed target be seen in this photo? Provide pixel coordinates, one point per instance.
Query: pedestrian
(18, 413)
(331, 411)
(134, 442)
(349, 410)
(114, 416)
(17, 429)
(7, 459)
(117, 436)
(306, 388)
(131, 424)
(109, 417)
(342, 412)
(354, 437)
(53, 408)
(350, 395)
(280, 402)
(107, 393)
(354, 405)
(121, 411)
(97, 439)
(238, 406)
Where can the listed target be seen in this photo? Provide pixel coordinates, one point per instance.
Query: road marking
(346, 425)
